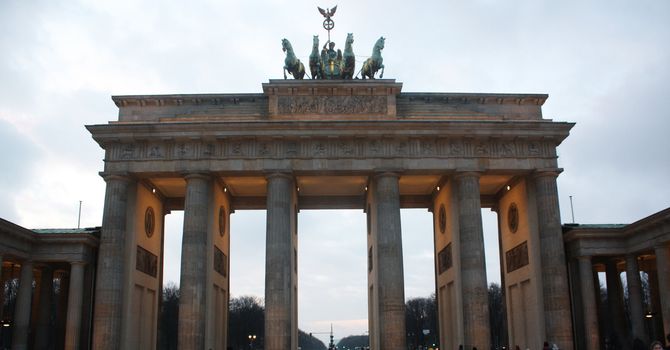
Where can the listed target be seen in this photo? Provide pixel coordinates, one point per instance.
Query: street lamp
(252, 337)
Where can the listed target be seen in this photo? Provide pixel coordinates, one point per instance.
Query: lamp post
(252, 337)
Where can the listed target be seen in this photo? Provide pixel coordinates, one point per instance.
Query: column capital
(631, 256)
(386, 173)
(585, 258)
(613, 260)
(78, 262)
(115, 176)
(542, 172)
(197, 175)
(44, 267)
(467, 173)
(279, 173)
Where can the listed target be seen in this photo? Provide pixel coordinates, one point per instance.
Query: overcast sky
(604, 64)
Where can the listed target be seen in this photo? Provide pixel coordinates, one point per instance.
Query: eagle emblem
(328, 12)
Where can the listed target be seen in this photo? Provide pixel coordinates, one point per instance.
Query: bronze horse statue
(374, 63)
(315, 60)
(292, 64)
(348, 58)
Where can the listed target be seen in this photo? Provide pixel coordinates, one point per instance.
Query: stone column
(663, 275)
(43, 328)
(192, 313)
(22, 307)
(635, 298)
(556, 298)
(615, 301)
(61, 308)
(655, 300)
(473, 263)
(602, 323)
(390, 283)
(111, 262)
(74, 305)
(589, 305)
(2, 290)
(278, 263)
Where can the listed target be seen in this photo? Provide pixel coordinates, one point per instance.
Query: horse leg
(284, 72)
(382, 74)
(300, 72)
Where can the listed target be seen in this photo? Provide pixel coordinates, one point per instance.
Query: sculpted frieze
(156, 151)
(208, 150)
(332, 104)
(266, 149)
(184, 151)
(346, 148)
(291, 149)
(354, 147)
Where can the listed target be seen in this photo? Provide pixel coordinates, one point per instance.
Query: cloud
(19, 158)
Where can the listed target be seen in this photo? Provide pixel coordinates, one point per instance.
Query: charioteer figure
(332, 64)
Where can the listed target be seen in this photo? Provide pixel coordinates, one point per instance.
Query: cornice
(125, 132)
(476, 98)
(122, 101)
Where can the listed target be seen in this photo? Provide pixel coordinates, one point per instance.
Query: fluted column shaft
(61, 308)
(42, 331)
(390, 264)
(635, 297)
(111, 262)
(22, 307)
(192, 285)
(278, 266)
(473, 263)
(589, 305)
(663, 274)
(2, 293)
(556, 298)
(615, 300)
(74, 305)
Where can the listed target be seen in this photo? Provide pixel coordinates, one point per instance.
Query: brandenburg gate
(317, 144)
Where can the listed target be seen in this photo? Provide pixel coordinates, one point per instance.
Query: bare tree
(421, 321)
(169, 317)
(246, 317)
(497, 316)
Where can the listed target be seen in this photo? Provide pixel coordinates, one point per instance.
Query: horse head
(350, 39)
(315, 42)
(380, 43)
(285, 45)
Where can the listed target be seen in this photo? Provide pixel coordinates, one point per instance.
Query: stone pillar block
(663, 274)
(111, 265)
(390, 277)
(589, 305)
(42, 340)
(635, 297)
(74, 306)
(280, 317)
(2, 294)
(192, 285)
(556, 298)
(473, 263)
(615, 301)
(23, 307)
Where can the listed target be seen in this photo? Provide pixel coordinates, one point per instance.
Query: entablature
(301, 100)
